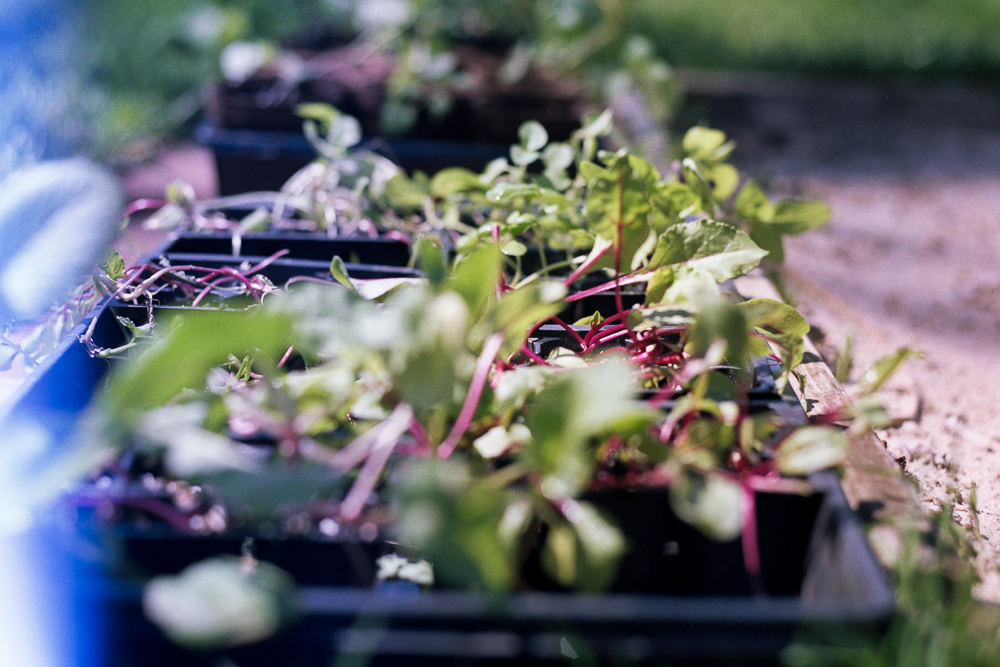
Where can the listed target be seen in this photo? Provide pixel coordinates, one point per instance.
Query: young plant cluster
(439, 417)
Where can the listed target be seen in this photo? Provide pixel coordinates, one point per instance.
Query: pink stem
(526, 351)
(266, 262)
(143, 205)
(385, 442)
(751, 546)
(584, 268)
(490, 349)
(604, 287)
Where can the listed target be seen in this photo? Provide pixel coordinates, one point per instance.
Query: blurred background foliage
(150, 62)
(934, 37)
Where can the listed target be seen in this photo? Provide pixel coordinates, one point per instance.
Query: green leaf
(454, 180)
(513, 248)
(780, 323)
(458, 524)
(429, 258)
(339, 273)
(710, 503)
(114, 265)
(559, 554)
(601, 547)
(719, 321)
(194, 342)
(880, 371)
(558, 156)
(703, 143)
(595, 126)
(753, 205)
(403, 193)
(706, 245)
(769, 239)
(724, 178)
(794, 217)
(575, 406)
(221, 602)
(532, 135)
(811, 448)
(519, 309)
(475, 277)
(521, 157)
(505, 192)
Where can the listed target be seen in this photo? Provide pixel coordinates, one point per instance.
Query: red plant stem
(598, 327)
(584, 268)
(201, 295)
(486, 358)
(143, 205)
(284, 357)
(604, 287)
(606, 334)
(264, 263)
(423, 440)
(569, 329)
(177, 520)
(749, 538)
(311, 279)
(526, 351)
(385, 441)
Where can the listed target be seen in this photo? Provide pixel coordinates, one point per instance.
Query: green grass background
(934, 37)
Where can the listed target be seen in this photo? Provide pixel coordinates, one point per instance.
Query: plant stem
(486, 358)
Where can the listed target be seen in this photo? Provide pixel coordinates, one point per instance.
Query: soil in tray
(354, 79)
(667, 556)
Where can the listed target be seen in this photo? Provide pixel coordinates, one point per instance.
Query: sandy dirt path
(911, 257)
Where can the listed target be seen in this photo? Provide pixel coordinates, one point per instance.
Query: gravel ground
(911, 257)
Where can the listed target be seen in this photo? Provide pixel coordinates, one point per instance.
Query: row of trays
(679, 598)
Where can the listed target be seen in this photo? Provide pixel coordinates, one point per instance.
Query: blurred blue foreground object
(57, 219)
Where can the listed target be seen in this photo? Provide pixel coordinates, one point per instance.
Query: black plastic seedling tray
(317, 247)
(684, 600)
(256, 160)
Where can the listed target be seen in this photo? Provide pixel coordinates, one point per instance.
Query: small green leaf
(220, 602)
(753, 205)
(794, 217)
(532, 136)
(522, 157)
(703, 143)
(710, 503)
(558, 157)
(595, 126)
(811, 448)
(880, 371)
(508, 191)
(559, 557)
(454, 180)
(475, 278)
(114, 265)
(404, 194)
(339, 273)
(706, 245)
(513, 248)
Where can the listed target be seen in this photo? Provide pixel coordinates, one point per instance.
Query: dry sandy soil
(911, 257)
